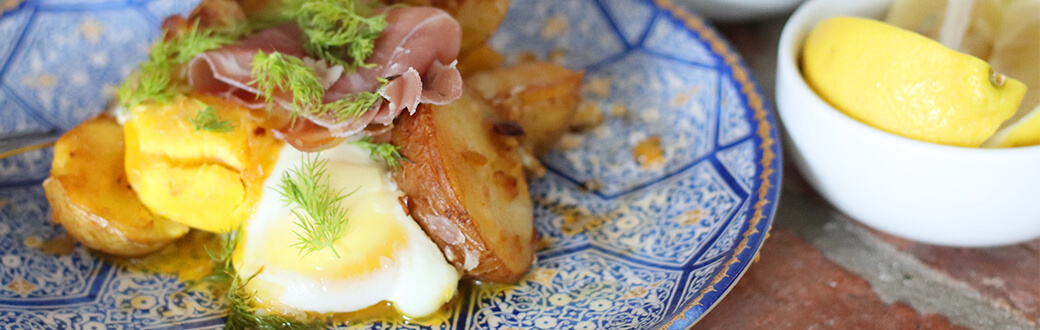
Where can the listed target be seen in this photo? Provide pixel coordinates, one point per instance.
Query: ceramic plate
(623, 245)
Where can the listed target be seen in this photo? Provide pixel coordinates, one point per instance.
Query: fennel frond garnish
(388, 153)
(206, 119)
(152, 78)
(319, 210)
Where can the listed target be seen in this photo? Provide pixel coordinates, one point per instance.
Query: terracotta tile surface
(794, 286)
(1010, 276)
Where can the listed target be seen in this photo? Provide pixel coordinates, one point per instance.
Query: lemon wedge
(1006, 33)
(1016, 51)
(1023, 132)
(907, 84)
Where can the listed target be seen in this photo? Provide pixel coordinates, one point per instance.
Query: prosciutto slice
(226, 71)
(416, 52)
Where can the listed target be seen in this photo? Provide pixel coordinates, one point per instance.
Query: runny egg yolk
(208, 180)
(383, 255)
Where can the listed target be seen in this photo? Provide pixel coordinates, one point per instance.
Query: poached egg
(383, 256)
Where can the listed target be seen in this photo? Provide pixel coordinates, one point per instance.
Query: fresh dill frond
(322, 219)
(195, 41)
(152, 79)
(385, 152)
(242, 315)
(338, 29)
(351, 105)
(224, 272)
(228, 241)
(145, 85)
(274, 70)
(334, 30)
(354, 105)
(206, 119)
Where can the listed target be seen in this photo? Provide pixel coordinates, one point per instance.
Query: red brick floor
(794, 286)
(1010, 276)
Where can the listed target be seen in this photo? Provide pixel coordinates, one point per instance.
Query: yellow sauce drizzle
(382, 312)
(60, 245)
(187, 257)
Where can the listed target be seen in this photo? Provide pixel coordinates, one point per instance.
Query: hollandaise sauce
(187, 258)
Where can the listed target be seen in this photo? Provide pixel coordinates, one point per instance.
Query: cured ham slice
(416, 54)
(226, 71)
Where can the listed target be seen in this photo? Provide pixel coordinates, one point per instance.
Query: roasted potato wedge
(542, 97)
(89, 194)
(479, 18)
(466, 187)
(483, 58)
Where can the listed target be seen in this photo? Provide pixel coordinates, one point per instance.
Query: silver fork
(11, 145)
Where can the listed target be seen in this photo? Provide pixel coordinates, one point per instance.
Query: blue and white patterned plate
(625, 246)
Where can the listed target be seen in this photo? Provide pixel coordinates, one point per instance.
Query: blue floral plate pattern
(622, 245)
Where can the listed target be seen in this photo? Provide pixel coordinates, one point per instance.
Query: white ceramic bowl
(918, 190)
(739, 10)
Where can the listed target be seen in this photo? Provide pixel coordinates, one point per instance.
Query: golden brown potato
(90, 196)
(479, 18)
(483, 58)
(542, 97)
(466, 187)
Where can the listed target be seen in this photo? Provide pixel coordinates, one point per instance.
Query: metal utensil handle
(15, 144)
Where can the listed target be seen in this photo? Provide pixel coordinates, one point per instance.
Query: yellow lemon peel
(907, 84)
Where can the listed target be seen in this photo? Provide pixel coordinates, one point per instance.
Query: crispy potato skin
(542, 97)
(90, 196)
(466, 188)
(481, 59)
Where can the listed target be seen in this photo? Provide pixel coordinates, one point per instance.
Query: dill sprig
(242, 315)
(195, 41)
(206, 119)
(386, 152)
(351, 105)
(322, 219)
(339, 29)
(152, 79)
(228, 241)
(274, 70)
(224, 272)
